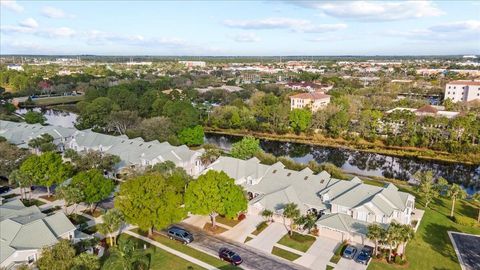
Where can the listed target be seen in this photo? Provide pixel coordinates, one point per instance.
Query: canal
(351, 161)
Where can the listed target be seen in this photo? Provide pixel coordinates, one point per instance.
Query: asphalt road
(468, 247)
(252, 258)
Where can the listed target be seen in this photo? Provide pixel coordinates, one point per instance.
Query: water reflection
(364, 163)
(54, 117)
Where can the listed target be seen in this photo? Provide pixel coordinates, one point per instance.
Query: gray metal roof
(27, 228)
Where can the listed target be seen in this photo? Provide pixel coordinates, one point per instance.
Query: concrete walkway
(172, 251)
(268, 237)
(240, 232)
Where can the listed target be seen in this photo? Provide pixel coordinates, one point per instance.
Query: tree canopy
(94, 186)
(246, 148)
(215, 193)
(149, 201)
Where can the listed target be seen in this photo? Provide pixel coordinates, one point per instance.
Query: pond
(363, 163)
(54, 117)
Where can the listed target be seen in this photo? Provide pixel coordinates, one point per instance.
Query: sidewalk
(173, 251)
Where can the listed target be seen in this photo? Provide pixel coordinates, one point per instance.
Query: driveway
(319, 254)
(252, 258)
(268, 237)
(466, 247)
(346, 264)
(240, 232)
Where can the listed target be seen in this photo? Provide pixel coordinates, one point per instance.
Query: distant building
(308, 86)
(428, 110)
(314, 101)
(190, 64)
(15, 67)
(462, 91)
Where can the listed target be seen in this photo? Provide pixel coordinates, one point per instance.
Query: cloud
(24, 28)
(284, 23)
(246, 38)
(55, 13)
(29, 23)
(11, 5)
(452, 31)
(470, 25)
(374, 10)
(96, 37)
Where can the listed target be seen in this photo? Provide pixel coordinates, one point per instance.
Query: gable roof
(27, 228)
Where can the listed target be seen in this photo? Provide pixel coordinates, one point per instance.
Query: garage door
(336, 235)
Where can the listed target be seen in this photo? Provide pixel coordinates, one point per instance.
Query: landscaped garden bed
(301, 242)
(77, 219)
(338, 252)
(217, 230)
(9, 196)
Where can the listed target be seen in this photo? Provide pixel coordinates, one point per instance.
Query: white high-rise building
(462, 91)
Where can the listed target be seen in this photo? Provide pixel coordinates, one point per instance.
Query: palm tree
(375, 233)
(267, 214)
(291, 212)
(112, 221)
(455, 192)
(128, 257)
(392, 237)
(21, 180)
(308, 221)
(406, 233)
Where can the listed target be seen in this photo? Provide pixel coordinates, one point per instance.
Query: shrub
(464, 221)
(241, 217)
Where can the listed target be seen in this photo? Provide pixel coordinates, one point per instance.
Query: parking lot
(466, 247)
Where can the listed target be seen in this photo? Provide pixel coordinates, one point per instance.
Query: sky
(240, 28)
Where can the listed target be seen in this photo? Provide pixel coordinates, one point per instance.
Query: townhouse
(344, 208)
(133, 153)
(24, 231)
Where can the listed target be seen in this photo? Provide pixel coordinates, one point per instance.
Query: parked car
(365, 255)
(180, 234)
(349, 252)
(4, 189)
(230, 256)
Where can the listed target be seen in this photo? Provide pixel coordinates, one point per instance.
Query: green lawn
(297, 241)
(431, 248)
(202, 256)
(159, 259)
(227, 221)
(285, 254)
(58, 100)
(31, 202)
(77, 219)
(90, 230)
(260, 227)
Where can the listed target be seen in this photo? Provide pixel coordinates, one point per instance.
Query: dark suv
(365, 255)
(230, 256)
(180, 234)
